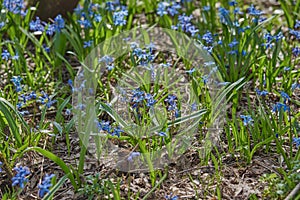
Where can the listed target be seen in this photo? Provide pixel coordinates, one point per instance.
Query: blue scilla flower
(295, 86)
(17, 83)
(70, 83)
(184, 18)
(236, 23)
(184, 22)
(172, 106)
(37, 25)
(208, 37)
(260, 19)
(143, 55)
(137, 97)
(133, 155)
(297, 24)
(150, 100)
(173, 9)
(117, 131)
(224, 15)
(261, 93)
(174, 27)
(192, 30)
(233, 52)
(45, 99)
(206, 8)
(78, 10)
(16, 56)
(5, 55)
(165, 64)
(247, 119)
(20, 177)
(295, 33)
(134, 45)
(16, 80)
(162, 134)
(285, 96)
(2, 24)
(137, 52)
(151, 46)
(85, 23)
(92, 8)
(205, 79)
(280, 106)
(68, 112)
(278, 37)
(171, 98)
(32, 95)
(24, 112)
(223, 83)
(209, 63)
(244, 53)
(268, 37)
(110, 67)
(0, 166)
(252, 11)
(232, 3)
(106, 59)
(14, 6)
(110, 5)
(223, 12)
(104, 126)
(233, 43)
(243, 29)
(119, 18)
(171, 197)
(19, 105)
(194, 106)
(46, 48)
(97, 18)
(59, 23)
(237, 10)
(161, 9)
(87, 44)
(24, 98)
(208, 48)
(296, 51)
(50, 29)
(191, 71)
(297, 141)
(268, 45)
(45, 185)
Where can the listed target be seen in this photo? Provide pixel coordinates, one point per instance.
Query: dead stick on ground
(293, 192)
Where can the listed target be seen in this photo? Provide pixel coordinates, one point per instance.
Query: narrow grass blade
(10, 120)
(56, 187)
(57, 160)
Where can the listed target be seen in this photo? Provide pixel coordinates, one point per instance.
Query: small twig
(187, 170)
(293, 192)
(42, 165)
(266, 167)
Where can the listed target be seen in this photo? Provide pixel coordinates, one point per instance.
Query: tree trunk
(49, 9)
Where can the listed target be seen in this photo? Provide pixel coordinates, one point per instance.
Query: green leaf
(58, 127)
(10, 120)
(60, 109)
(57, 160)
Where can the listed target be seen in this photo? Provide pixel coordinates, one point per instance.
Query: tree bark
(49, 9)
